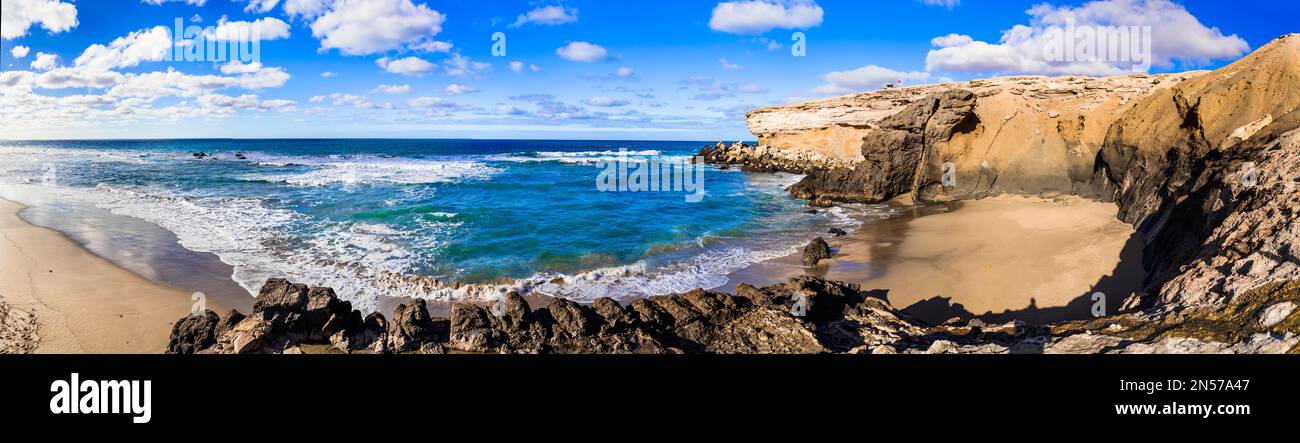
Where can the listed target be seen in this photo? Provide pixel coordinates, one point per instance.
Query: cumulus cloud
(19, 51)
(44, 62)
(391, 89)
(261, 6)
(624, 72)
(754, 17)
(459, 66)
(728, 65)
(518, 67)
(870, 77)
(268, 28)
(188, 2)
(458, 89)
(128, 51)
(945, 3)
(305, 8)
(363, 27)
(412, 66)
(605, 102)
(19, 15)
(582, 52)
(1176, 36)
(547, 16)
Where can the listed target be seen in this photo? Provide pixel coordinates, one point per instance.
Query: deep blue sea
(438, 219)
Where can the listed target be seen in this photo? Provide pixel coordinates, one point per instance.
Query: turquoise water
(439, 219)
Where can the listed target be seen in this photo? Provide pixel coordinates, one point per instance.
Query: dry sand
(82, 303)
(1003, 258)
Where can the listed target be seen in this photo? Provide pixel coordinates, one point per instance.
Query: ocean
(444, 220)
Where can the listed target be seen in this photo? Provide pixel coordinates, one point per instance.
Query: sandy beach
(1003, 258)
(82, 303)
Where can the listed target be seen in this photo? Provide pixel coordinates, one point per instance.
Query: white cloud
(329, 74)
(728, 65)
(432, 46)
(458, 89)
(45, 62)
(19, 51)
(225, 103)
(459, 66)
(870, 77)
(355, 101)
(237, 67)
(945, 3)
(754, 17)
(605, 102)
(129, 51)
(547, 16)
(391, 89)
(268, 28)
(362, 27)
(59, 78)
(517, 66)
(188, 2)
(582, 52)
(19, 15)
(951, 40)
(305, 8)
(261, 6)
(624, 72)
(414, 66)
(430, 102)
(1176, 36)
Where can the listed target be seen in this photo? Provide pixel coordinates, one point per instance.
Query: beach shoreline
(935, 262)
(81, 302)
(1010, 257)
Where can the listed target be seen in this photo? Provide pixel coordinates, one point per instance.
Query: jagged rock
(1276, 313)
(816, 251)
(228, 322)
(194, 333)
(248, 336)
(837, 232)
(411, 326)
(470, 329)
(281, 303)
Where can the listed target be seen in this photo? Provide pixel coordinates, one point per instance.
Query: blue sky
(664, 70)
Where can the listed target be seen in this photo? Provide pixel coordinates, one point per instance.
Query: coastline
(999, 259)
(81, 302)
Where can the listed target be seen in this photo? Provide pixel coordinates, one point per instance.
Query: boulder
(411, 327)
(281, 303)
(816, 251)
(193, 333)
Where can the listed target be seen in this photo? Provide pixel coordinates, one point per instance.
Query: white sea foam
(579, 157)
(354, 170)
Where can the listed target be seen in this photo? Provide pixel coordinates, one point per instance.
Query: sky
(543, 69)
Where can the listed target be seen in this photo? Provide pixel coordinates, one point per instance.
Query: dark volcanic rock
(816, 251)
(281, 303)
(193, 333)
(412, 327)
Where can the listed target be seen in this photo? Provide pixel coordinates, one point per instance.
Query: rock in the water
(816, 251)
(837, 232)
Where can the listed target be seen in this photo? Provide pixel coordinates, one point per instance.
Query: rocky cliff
(1201, 163)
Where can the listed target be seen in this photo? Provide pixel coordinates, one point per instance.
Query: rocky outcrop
(805, 315)
(816, 251)
(17, 330)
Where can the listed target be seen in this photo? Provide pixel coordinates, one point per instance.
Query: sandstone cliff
(1203, 164)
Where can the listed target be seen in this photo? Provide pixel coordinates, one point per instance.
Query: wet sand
(999, 259)
(85, 303)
